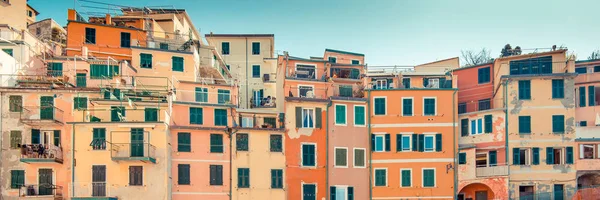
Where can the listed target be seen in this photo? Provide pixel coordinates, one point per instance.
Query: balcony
(306, 93)
(143, 151)
(42, 115)
(259, 122)
(349, 92)
(202, 95)
(588, 77)
(500, 170)
(269, 102)
(269, 78)
(351, 73)
(92, 191)
(43, 191)
(39, 153)
(119, 114)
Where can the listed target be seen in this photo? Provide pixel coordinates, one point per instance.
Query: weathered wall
(470, 91)
(108, 40)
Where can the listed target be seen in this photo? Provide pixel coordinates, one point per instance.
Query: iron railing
(120, 113)
(41, 114)
(133, 150)
(41, 151)
(40, 190)
(258, 122)
(268, 102)
(306, 92)
(206, 95)
(91, 189)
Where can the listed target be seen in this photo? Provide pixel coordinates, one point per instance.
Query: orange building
(413, 131)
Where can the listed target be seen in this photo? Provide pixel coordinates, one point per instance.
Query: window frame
(411, 177)
(11, 102)
(382, 135)
(281, 179)
(357, 62)
(519, 124)
(526, 94)
(216, 145)
(485, 79)
(302, 155)
(189, 178)
(432, 136)
(14, 140)
(558, 92)
(477, 127)
(125, 43)
(334, 59)
(434, 106)
(364, 116)
(410, 142)
(270, 143)
(237, 146)
(90, 37)
(198, 121)
(375, 177)
(312, 88)
(179, 134)
(335, 165)
(335, 112)
(228, 48)
(375, 106)
(254, 70)
(423, 177)
(412, 99)
(144, 58)
(364, 164)
(141, 183)
(219, 121)
(175, 61)
(308, 110)
(239, 177)
(253, 53)
(562, 124)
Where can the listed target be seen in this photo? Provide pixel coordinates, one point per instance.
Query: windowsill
(136, 185)
(340, 167)
(556, 98)
(558, 132)
(308, 167)
(360, 125)
(341, 124)
(524, 133)
(278, 188)
(407, 115)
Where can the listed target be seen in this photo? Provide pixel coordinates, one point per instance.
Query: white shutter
(598, 149)
(581, 151)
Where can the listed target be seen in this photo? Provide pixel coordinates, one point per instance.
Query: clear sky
(388, 32)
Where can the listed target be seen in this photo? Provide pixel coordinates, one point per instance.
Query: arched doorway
(476, 191)
(588, 185)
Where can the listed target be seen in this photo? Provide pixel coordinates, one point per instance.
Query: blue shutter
(549, 155)
(582, 96)
(536, 156)
(387, 142)
(438, 142)
(493, 158)
(591, 95)
(569, 155)
(516, 156)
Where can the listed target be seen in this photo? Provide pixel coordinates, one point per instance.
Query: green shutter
(524, 124)
(569, 155)
(462, 158)
(549, 155)
(183, 174)
(151, 114)
(464, 127)
(406, 178)
(220, 117)
(146, 60)
(255, 71)
(421, 142)
(536, 156)
(558, 89)
(415, 142)
(388, 142)
(488, 123)
(591, 95)
(438, 142)
(516, 156)
(177, 64)
(332, 192)
(216, 143)
(115, 111)
(407, 107)
(524, 89)
(359, 115)
(380, 106)
(298, 117)
(318, 118)
(493, 158)
(340, 114)
(558, 123)
(184, 142)
(196, 116)
(57, 138)
(428, 178)
(17, 179)
(80, 102)
(582, 96)
(398, 142)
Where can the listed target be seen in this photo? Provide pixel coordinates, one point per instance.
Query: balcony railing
(142, 151)
(42, 115)
(42, 190)
(268, 102)
(259, 122)
(203, 95)
(498, 170)
(348, 92)
(90, 190)
(269, 78)
(306, 93)
(31, 153)
(121, 114)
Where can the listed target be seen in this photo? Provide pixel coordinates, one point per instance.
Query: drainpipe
(454, 113)
(72, 160)
(1, 140)
(369, 139)
(230, 164)
(247, 106)
(327, 148)
(506, 149)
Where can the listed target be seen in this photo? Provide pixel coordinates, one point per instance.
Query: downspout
(1, 140)
(247, 106)
(72, 160)
(230, 164)
(454, 113)
(370, 148)
(327, 148)
(506, 149)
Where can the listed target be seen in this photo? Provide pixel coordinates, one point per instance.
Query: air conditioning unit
(266, 77)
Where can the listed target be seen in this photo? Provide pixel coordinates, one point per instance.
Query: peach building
(413, 131)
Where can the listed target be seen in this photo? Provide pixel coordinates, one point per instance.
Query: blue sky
(388, 32)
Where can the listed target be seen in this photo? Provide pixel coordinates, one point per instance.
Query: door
(309, 192)
(81, 80)
(45, 181)
(137, 142)
(558, 192)
(99, 181)
(46, 107)
(481, 195)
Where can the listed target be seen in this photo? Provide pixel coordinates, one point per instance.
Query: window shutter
(569, 155)
(549, 155)
(415, 142)
(372, 142)
(462, 158)
(318, 118)
(464, 127)
(219, 174)
(421, 142)
(516, 156)
(581, 151)
(536, 156)
(387, 142)
(488, 123)
(493, 158)
(591, 95)
(350, 193)
(438, 142)
(332, 192)
(298, 117)
(425, 82)
(398, 142)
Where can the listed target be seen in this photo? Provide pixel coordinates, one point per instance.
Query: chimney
(108, 19)
(71, 15)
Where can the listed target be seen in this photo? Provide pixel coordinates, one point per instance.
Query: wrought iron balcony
(93, 190)
(42, 115)
(42, 190)
(40, 153)
(142, 151)
(269, 102)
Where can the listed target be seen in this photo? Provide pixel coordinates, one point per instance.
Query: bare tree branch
(475, 58)
(595, 55)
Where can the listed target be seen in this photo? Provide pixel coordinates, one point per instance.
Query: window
(90, 36)
(403, 142)
(581, 70)
(151, 114)
(558, 123)
(380, 177)
(306, 71)
(429, 107)
(103, 71)
(223, 96)
(247, 122)
(309, 192)
(125, 40)
(216, 174)
(524, 90)
(340, 114)
(587, 151)
(462, 158)
(30, 13)
(553, 156)
(276, 178)
(136, 174)
(16, 103)
(582, 96)
(359, 115)
(202, 95)
(488, 123)
(255, 71)
(341, 157)
(481, 160)
(429, 143)
(406, 82)
(379, 106)
(527, 192)
(493, 158)
(596, 68)
(80, 103)
(117, 113)
(225, 48)
(583, 123)
(332, 59)
(359, 157)
(306, 91)
(184, 142)
(276, 143)
(407, 107)
(484, 104)
(476, 126)
(220, 117)
(428, 177)
(17, 179)
(163, 46)
(256, 48)
(99, 139)
(524, 124)
(539, 65)
(464, 127)
(57, 138)
(356, 62)
(432, 82)
(55, 69)
(8, 51)
(243, 177)
(558, 89)
(379, 143)
(196, 115)
(183, 172)
(216, 143)
(146, 60)
(308, 155)
(382, 84)
(241, 141)
(406, 177)
(308, 118)
(15, 139)
(521, 156)
(591, 95)
(569, 155)
(483, 75)
(177, 64)
(462, 108)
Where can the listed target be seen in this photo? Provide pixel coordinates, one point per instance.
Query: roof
(239, 35)
(587, 61)
(34, 10)
(158, 10)
(429, 63)
(344, 52)
(473, 66)
(305, 59)
(531, 54)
